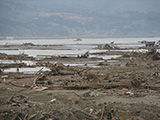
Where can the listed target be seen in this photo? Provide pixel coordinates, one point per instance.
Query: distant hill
(29, 18)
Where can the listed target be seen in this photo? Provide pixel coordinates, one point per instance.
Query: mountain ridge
(73, 18)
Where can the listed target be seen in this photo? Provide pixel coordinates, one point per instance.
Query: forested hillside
(27, 18)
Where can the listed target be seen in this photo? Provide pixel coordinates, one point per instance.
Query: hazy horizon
(58, 18)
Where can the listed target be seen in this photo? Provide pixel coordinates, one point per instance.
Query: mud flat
(79, 86)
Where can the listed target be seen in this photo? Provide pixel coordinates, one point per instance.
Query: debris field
(128, 89)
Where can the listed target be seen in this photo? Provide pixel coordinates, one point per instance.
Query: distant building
(9, 38)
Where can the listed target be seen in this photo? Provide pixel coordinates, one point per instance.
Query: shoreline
(74, 37)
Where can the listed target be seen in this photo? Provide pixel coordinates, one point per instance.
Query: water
(28, 63)
(71, 48)
(35, 53)
(105, 57)
(27, 70)
(84, 41)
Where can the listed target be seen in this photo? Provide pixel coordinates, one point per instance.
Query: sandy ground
(125, 88)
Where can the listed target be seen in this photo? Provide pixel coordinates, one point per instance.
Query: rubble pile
(152, 54)
(110, 46)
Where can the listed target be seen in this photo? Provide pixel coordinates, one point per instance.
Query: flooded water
(27, 70)
(84, 41)
(34, 53)
(105, 57)
(28, 63)
(9, 62)
(68, 48)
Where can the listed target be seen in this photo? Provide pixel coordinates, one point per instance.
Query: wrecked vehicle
(151, 43)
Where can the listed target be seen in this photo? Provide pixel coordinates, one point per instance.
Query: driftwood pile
(62, 77)
(152, 54)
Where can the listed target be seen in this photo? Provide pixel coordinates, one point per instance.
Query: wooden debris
(22, 86)
(38, 73)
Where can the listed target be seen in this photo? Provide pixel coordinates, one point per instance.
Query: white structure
(9, 38)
